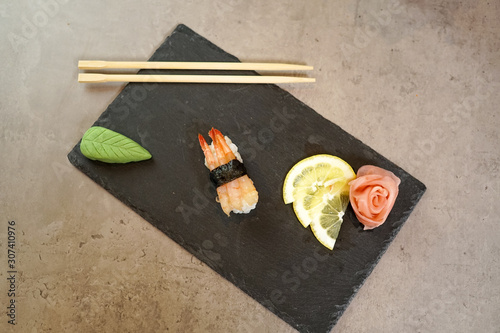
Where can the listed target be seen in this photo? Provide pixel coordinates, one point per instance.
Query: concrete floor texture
(417, 81)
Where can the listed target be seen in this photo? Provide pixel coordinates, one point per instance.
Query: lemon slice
(309, 205)
(326, 224)
(318, 188)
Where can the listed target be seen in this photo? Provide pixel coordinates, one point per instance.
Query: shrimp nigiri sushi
(235, 190)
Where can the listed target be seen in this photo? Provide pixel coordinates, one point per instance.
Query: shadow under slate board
(266, 253)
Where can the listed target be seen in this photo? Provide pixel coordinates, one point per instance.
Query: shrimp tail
(223, 151)
(211, 162)
(203, 143)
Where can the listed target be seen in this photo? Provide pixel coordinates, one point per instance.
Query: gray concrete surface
(416, 80)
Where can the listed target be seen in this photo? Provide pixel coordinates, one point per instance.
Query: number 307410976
(11, 244)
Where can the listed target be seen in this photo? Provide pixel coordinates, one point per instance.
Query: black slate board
(266, 253)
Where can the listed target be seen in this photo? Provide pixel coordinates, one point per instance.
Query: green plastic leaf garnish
(105, 145)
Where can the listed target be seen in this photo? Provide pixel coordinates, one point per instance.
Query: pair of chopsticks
(99, 65)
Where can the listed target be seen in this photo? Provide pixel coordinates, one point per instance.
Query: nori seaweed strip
(227, 172)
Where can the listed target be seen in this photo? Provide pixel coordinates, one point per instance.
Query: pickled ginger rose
(372, 195)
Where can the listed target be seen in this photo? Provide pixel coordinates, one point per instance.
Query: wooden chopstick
(99, 78)
(100, 64)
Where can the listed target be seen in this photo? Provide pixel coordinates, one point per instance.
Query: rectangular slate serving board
(266, 253)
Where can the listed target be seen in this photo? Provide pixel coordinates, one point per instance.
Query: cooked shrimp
(236, 191)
